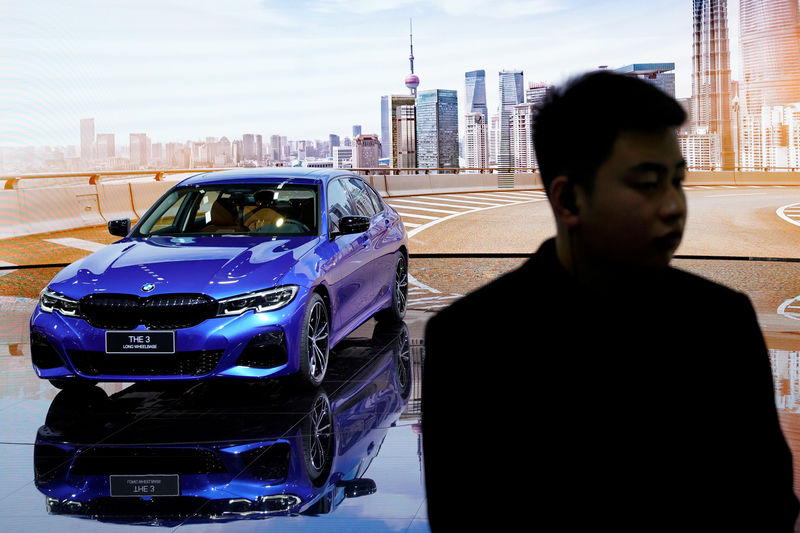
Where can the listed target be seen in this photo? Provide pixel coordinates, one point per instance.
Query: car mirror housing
(353, 224)
(119, 227)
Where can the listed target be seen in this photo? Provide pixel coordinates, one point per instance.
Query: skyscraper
(770, 44)
(536, 92)
(87, 139)
(406, 128)
(437, 128)
(389, 105)
(367, 151)
(356, 130)
(476, 150)
(659, 74)
(476, 93)
(711, 77)
(138, 149)
(249, 147)
(511, 94)
(105, 146)
(522, 136)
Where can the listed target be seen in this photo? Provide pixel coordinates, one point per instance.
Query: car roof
(299, 175)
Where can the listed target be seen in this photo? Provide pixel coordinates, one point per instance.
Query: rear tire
(397, 311)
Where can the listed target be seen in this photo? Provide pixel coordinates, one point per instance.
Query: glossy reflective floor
(201, 457)
(246, 457)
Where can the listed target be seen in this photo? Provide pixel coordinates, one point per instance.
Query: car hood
(217, 266)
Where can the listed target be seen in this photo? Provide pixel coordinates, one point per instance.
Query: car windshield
(268, 209)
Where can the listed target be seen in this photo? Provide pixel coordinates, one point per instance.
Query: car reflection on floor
(218, 451)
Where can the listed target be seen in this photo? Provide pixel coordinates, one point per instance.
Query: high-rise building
(334, 140)
(536, 92)
(367, 151)
(699, 150)
(522, 136)
(661, 75)
(342, 157)
(87, 139)
(494, 136)
(138, 149)
(476, 93)
(406, 128)
(105, 146)
(476, 149)
(437, 128)
(259, 148)
(389, 105)
(356, 130)
(157, 153)
(770, 50)
(249, 147)
(511, 94)
(275, 151)
(711, 77)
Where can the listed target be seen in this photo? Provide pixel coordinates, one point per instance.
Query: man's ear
(562, 199)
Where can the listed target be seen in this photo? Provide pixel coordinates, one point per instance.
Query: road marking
(787, 211)
(505, 196)
(411, 224)
(734, 194)
(448, 217)
(78, 243)
(5, 272)
(782, 309)
(437, 204)
(473, 202)
(417, 216)
(495, 197)
(434, 210)
(419, 285)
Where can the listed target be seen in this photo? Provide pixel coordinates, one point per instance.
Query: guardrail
(68, 202)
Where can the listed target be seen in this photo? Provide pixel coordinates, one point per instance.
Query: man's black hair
(575, 126)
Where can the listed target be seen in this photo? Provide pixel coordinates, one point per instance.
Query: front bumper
(251, 345)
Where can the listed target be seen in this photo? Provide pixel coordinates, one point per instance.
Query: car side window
(363, 198)
(338, 204)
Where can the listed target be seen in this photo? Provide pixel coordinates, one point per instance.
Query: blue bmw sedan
(247, 273)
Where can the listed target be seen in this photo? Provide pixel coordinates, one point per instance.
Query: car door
(345, 267)
(378, 259)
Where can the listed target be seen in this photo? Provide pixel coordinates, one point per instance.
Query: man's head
(610, 162)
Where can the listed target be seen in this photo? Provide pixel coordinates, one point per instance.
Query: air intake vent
(195, 363)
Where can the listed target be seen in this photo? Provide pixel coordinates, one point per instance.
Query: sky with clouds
(183, 70)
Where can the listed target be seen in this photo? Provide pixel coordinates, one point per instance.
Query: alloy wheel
(318, 330)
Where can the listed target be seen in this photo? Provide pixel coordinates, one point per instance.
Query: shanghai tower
(711, 77)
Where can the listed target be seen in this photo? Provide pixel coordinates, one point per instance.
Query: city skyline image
(182, 71)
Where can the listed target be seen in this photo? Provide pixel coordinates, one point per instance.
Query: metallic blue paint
(353, 272)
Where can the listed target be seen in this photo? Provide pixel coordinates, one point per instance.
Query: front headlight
(267, 300)
(50, 300)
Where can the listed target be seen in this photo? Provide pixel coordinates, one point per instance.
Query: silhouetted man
(597, 388)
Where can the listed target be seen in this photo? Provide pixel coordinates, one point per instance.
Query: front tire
(397, 311)
(315, 342)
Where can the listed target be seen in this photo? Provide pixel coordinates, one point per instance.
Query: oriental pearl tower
(412, 80)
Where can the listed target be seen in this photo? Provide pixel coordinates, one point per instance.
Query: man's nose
(673, 204)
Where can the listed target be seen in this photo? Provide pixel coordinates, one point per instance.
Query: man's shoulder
(688, 284)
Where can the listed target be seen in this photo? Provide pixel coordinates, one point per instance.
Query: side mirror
(353, 224)
(357, 487)
(119, 227)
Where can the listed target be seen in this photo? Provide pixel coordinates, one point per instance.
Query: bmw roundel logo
(147, 287)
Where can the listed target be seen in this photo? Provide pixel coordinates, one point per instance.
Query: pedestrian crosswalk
(424, 298)
(422, 212)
